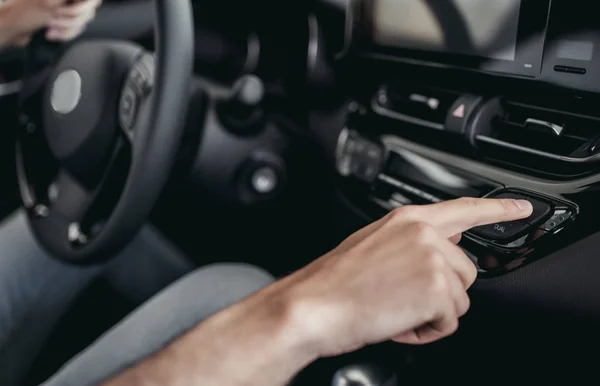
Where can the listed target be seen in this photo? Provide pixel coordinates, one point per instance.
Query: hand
(19, 19)
(401, 278)
(70, 20)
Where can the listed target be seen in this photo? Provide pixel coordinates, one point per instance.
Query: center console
(470, 99)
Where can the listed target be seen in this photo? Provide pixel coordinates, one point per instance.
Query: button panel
(505, 231)
(541, 209)
(460, 113)
(559, 218)
(362, 159)
(548, 216)
(510, 231)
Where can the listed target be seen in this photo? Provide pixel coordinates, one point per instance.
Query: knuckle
(422, 232)
(434, 260)
(438, 285)
(471, 273)
(464, 305)
(452, 327)
(403, 213)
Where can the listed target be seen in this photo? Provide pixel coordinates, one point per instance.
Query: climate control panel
(382, 176)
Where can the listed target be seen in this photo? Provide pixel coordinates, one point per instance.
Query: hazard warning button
(460, 113)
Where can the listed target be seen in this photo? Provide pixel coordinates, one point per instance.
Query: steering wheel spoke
(68, 198)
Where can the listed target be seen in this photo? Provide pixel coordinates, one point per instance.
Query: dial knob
(364, 375)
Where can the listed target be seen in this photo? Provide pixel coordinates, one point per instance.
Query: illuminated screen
(482, 28)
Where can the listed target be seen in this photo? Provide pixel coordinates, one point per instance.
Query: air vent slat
(533, 134)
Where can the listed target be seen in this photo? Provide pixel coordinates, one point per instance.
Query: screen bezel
(533, 24)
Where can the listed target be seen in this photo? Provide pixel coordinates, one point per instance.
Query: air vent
(421, 106)
(540, 139)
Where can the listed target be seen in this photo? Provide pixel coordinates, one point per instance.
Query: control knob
(364, 375)
(358, 157)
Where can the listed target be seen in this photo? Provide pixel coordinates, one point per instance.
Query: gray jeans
(36, 290)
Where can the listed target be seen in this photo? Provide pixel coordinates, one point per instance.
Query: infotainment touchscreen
(473, 27)
(497, 35)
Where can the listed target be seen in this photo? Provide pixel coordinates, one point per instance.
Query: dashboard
(413, 102)
(410, 102)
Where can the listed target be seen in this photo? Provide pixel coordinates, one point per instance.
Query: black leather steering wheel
(99, 139)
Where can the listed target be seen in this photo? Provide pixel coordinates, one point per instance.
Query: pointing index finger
(454, 217)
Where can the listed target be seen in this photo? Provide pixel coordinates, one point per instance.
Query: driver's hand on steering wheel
(70, 20)
(64, 20)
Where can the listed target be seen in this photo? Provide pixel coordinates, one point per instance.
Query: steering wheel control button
(505, 231)
(137, 87)
(128, 108)
(460, 113)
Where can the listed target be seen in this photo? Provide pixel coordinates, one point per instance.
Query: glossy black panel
(415, 174)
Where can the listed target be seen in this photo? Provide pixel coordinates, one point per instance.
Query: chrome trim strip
(312, 54)
(348, 29)
(553, 127)
(10, 88)
(402, 117)
(539, 153)
(252, 53)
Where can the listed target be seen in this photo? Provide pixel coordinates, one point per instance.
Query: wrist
(309, 316)
(288, 318)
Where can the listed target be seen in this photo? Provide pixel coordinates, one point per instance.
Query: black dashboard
(474, 100)
(480, 99)
(470, 99)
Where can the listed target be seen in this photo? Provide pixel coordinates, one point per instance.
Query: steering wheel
(100, 136)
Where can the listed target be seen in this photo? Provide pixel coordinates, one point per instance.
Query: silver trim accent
(539, 153)
(341, 161)
(348, 30)
(409, 188)
(402, 117)
(313, 43)
(27, 195)
(10, 88)
(74, 234)
(252, 53)
(552, 127)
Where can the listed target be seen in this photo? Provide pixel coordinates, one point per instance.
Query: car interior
(273, 130)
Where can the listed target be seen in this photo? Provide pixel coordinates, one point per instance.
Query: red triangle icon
(459, 112)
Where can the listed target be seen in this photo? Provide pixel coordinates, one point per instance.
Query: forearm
(5, 29)
(256, 342)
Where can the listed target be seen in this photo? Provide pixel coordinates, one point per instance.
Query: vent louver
(539, 139)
